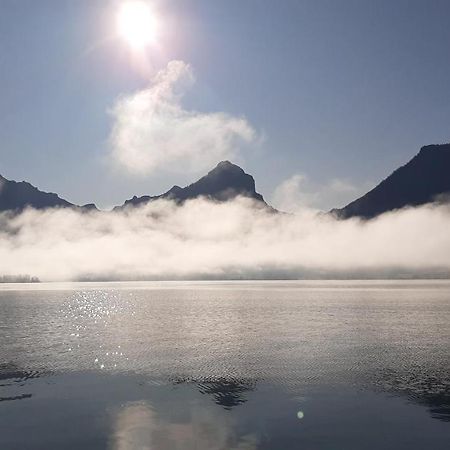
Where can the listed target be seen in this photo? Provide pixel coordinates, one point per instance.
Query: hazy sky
(329, 96)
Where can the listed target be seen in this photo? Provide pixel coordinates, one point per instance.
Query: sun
(136, 23)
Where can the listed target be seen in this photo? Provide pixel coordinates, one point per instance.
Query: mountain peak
(422, 180)
(433, 149)
(227, 165)
(174, 189)
(15, 196)
(226, 168)
(225, 182)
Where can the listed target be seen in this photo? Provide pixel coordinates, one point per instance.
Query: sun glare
(136, 23)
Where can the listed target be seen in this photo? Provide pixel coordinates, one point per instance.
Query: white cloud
(152, 130)
(292, 194)
(297, 193)
(201, 239)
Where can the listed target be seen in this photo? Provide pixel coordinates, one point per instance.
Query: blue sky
(340, 90)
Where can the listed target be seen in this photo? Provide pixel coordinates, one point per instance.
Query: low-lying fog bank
(237, 239)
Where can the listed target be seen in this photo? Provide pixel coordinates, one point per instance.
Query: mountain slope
(424, 179)
(16, 196)
(225, 182)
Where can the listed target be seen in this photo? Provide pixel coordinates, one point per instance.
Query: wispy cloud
(298, 192)
(153, 131)
(203, 239)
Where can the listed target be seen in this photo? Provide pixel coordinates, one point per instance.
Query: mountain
(424, 179)
(15, 196)
(225, 182)
(18, 195)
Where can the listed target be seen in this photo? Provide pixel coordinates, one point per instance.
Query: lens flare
(136, 24)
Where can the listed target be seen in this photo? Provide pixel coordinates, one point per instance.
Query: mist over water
(236, 239)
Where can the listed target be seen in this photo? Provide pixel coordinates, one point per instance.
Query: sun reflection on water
(138, 426)
(96, 312)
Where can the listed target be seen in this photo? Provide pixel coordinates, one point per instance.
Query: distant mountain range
(424, 179)
(225, 182)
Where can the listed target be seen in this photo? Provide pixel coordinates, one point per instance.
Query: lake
(225, 365)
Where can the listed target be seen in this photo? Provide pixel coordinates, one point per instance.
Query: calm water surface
(225, 365)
